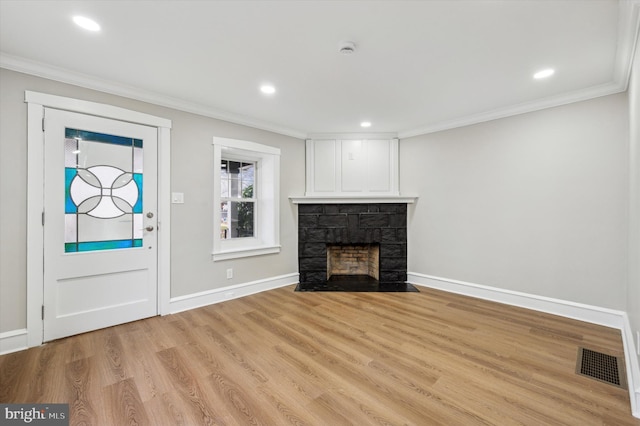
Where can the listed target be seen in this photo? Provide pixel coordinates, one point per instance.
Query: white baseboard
(579, 311)
(209, 297)
(587, 313)
(13, 341)
(632, 366)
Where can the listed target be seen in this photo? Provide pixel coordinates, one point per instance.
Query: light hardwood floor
(282, 357)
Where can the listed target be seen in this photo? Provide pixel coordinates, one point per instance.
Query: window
(237, 200)
(246, 196)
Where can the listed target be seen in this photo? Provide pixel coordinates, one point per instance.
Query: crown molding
(550, 102)
(38, 69)
(628, 32)
(629, 27)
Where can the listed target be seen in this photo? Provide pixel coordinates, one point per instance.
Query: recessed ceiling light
(86, 23)
(365, 124)
(544, 73)
(267, 89)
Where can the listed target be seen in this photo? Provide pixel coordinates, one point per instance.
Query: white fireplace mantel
(352, 199)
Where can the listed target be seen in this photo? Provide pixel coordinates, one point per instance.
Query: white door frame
(36, 102)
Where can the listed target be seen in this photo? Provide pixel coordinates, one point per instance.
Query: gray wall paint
(13, 206)
(633, 293)
(192, 269)
(535, 203)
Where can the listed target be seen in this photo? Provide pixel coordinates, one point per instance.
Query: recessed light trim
(545, 73)
(86, 23)
(268, 89)
(365, 124)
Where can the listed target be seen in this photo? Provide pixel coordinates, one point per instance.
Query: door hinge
(43, 218)
(43, 124)
(42, 311)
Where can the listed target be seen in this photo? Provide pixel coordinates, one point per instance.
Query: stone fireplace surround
(368, 223)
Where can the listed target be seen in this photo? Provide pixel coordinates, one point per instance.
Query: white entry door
(100, 236)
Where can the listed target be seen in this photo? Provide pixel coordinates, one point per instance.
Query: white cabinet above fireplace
(352, 168)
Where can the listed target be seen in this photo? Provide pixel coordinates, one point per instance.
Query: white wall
(191, 172)
(633, 293)
(535, 203)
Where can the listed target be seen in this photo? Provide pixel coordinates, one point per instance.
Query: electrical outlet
(229, 273)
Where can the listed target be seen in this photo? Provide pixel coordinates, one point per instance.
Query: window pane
(234, 167)
(224, 188)
(224, 166)
(247, 173)
(241, 219)
(103, 191)
(237, 181)
(247, 190)
(224, 221)
(234, 187)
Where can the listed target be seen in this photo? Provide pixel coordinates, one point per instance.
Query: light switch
(177, 197)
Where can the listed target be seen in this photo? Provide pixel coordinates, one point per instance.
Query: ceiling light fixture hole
(346, 47)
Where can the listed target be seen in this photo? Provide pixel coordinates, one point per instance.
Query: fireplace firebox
(353, 259)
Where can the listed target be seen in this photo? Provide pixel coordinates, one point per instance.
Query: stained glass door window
(103, 191)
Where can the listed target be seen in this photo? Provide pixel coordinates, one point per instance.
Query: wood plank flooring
(283, 357)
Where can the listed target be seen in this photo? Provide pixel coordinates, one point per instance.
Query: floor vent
(602, 367)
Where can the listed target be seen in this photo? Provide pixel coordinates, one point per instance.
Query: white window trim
(267, 213)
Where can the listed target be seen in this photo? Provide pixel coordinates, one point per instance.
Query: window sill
(244, 252)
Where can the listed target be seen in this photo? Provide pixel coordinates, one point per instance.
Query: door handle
(149, 228)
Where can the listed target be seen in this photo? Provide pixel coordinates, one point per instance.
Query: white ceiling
(420, 66)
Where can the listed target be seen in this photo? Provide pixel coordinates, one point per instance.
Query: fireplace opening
(353, 260)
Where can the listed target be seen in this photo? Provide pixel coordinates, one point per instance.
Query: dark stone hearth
(322, 224)
(356, 283)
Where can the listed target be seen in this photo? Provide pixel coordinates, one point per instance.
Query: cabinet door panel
(378, 166)
(353, 166)
(324, 165)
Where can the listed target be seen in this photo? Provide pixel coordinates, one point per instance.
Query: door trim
(36, 103)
